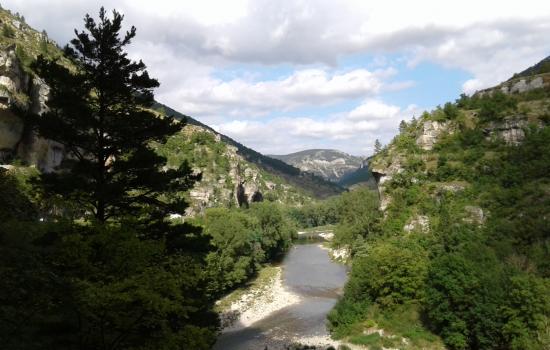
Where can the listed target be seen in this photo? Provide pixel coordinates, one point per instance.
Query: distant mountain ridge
(329, 164)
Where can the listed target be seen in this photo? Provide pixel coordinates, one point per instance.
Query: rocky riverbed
(287, 308)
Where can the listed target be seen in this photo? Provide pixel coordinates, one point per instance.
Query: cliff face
(438, 156)
(21, 91)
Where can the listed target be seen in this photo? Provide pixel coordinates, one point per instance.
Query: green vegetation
(28, 42)
(472, 266)
(221, 168)
(243, 239)
(88, 259)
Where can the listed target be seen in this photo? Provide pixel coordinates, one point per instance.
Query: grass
(259, 284)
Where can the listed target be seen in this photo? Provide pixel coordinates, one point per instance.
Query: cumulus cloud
(470, 35)
(352, 131)
(301, 88)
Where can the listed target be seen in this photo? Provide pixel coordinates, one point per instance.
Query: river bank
(265, 296)
(286, 305)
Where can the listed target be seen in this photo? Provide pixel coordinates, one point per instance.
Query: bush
(8, 32)
(496, 105)
(391, 272)
(463, 298)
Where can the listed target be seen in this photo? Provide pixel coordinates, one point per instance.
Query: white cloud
(305, 87)
(373, 109)
(349, 131)
(186, 42)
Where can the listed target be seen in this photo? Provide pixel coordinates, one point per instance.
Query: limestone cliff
(436, 157)
(19, 90)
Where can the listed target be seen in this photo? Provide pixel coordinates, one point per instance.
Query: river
(309, 272)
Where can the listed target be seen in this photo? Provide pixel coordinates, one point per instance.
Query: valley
(128, 225)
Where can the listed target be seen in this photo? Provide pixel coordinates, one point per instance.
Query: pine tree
(100, 111)
(377, 146)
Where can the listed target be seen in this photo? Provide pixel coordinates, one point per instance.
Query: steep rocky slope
(228, 179)
(330, 164)
(420, 145)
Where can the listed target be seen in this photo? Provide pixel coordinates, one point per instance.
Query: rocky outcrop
(524, 85)
(14, 82)
(248, 187)
(18, 89)
(511, 129)
(383, 172)
(431, 131)
(419, 223)
(474, 215)
(519, 85)
(240, 186)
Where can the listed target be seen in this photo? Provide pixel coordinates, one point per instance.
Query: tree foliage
(99, 112)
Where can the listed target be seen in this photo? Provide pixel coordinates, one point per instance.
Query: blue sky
(282, 76)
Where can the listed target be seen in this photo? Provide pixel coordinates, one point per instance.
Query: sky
(283, 76)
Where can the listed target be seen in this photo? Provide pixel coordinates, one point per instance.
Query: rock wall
(520, 85)
(20, 90)
(383, 171)
(511, 129)
(431, 130)
(240, 186)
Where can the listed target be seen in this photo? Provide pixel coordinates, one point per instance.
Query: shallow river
(309, 272)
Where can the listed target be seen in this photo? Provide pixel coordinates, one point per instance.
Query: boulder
(419, 223)
(474, 215)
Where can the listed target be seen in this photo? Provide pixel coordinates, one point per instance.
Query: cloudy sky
(282, 76)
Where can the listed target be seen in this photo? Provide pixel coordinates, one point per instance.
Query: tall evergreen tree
(100, 111)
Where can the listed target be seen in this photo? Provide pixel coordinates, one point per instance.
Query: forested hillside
(460, 251)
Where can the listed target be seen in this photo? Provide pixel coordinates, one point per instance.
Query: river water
(309, 272)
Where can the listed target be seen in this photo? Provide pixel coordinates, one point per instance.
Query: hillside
(227, 178)
(312, 184)
(246, 176)
(329, 164)
(463, 239)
